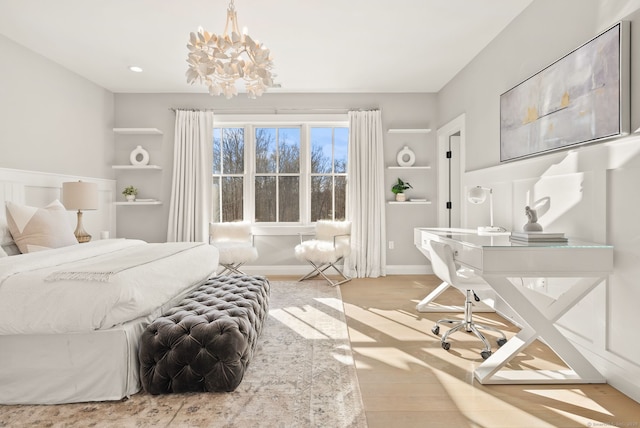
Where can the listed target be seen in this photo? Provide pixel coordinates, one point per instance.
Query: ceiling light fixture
(135, 69)
(218, 61)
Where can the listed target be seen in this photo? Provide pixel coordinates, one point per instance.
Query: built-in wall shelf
(408, 130)
(140, 203)
(130, 134)
(138, 131)
(136, 167)
(409, 167)
(409, 202)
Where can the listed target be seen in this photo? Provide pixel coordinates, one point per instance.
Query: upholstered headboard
(40, 188)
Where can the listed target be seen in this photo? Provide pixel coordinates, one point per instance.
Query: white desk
(496, 258)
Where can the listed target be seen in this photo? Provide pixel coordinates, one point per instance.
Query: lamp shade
(477, 195)
(80, 195)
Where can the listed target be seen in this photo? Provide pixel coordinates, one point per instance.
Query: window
(277, 177)
(278, 173)
(329, 173)
(228, 173)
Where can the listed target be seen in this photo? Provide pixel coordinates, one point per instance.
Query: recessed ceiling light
(135, 69)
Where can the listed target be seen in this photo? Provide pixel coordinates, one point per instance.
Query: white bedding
(31, 305)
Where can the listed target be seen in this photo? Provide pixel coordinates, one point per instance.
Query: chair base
(231, 268)
(469, 326)
(319, 269)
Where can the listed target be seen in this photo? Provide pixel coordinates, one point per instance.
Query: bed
(71, 317)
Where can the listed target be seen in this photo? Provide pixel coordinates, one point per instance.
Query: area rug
(302, 375)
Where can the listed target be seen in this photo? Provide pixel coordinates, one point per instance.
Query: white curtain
(366, 205)
(190, 208)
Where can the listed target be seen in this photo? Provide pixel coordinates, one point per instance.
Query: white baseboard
(280, 270)
(299, 270)
(409, 270)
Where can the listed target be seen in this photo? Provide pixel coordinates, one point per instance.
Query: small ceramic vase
(139, 156)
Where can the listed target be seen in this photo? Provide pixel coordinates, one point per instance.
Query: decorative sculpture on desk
(532, 225)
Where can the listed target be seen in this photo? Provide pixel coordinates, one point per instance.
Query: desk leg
(539, 325)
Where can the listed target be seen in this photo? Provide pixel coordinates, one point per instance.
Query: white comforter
(32, 302)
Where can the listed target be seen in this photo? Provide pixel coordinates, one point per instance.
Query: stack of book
(533, 237)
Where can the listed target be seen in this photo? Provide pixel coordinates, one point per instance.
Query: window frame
(305, 122)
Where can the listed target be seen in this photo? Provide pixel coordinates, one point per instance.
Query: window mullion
(305, 175)
(333, 173)
(277, 174)
(249, 174)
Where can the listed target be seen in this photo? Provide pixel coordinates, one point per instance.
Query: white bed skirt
(66, 368)
(100, 365)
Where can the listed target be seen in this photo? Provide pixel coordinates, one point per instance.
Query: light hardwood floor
(408, 380)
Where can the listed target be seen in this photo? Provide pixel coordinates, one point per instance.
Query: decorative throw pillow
(2, 253)
(36, 229)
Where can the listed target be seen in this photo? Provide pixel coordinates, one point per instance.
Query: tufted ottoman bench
(206, 342)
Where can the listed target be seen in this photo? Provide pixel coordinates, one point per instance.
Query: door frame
(455, 127)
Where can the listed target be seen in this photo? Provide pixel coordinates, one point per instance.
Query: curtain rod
(274, 110)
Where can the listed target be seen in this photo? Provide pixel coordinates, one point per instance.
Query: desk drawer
(467, 255)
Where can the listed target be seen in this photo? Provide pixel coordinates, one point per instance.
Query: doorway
(450, 160)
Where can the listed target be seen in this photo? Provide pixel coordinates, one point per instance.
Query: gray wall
(546, 31)
(52, 120)
(398, 110)
(55, 121)
(592, 185)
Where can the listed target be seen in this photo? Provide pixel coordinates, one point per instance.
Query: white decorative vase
(401, 197)
(130, 198)
(406, 157)
(139, 156)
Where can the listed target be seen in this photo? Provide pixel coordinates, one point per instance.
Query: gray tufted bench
(206, 342)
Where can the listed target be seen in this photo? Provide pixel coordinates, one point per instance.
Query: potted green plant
(130, 193)
(399, 188)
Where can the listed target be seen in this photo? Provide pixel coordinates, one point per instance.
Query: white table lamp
(80, 195)
(477, 195)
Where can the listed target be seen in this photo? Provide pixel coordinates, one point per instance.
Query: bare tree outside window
(228, 174)
(277, 174)
(275, 182)
(329, 147)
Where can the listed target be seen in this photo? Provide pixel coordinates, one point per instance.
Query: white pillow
(8, 247)
(36, 229)
(5, 235)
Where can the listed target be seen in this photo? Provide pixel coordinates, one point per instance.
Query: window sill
(281, 230)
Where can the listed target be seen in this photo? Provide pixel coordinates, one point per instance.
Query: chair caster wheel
(446, 346)
(501, 341)
(435, 330)
(485, 354)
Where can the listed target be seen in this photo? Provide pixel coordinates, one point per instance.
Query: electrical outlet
(391, 245)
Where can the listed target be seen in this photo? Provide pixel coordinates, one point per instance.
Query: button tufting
(225, 313)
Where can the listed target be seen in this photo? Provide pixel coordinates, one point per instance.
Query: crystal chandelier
(219, 60)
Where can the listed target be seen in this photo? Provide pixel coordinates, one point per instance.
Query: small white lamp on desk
(80, 195)
(477, 195)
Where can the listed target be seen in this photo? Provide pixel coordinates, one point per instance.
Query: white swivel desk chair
(444, 267)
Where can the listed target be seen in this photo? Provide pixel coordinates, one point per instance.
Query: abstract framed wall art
(581, 98)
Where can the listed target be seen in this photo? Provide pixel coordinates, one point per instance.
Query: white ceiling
(321, 46)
